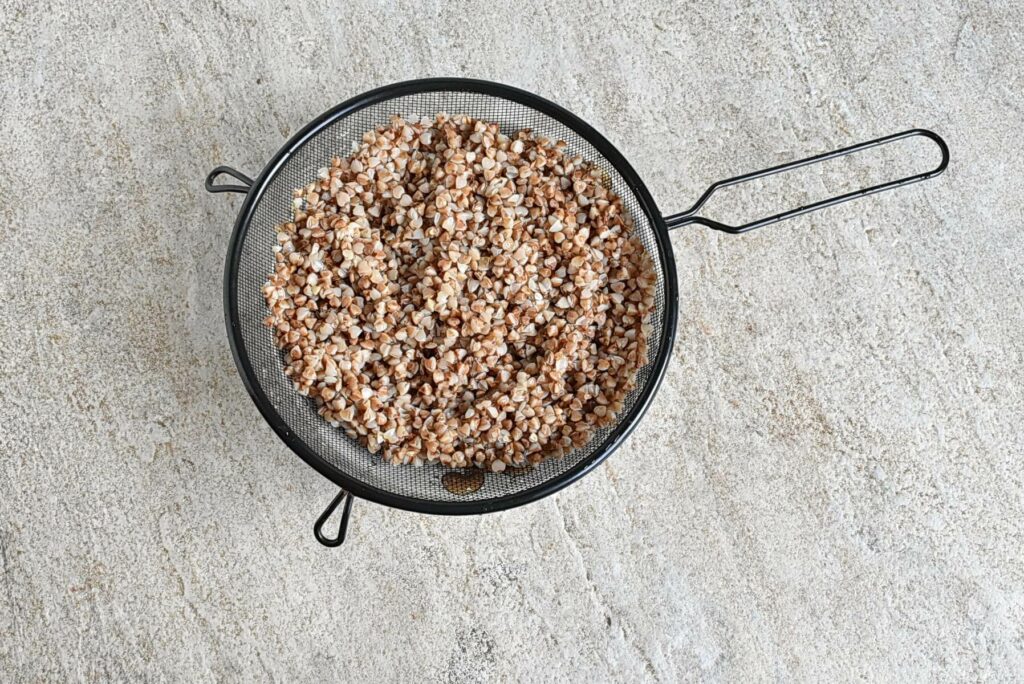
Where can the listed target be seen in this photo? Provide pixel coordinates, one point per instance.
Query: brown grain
(451, 294)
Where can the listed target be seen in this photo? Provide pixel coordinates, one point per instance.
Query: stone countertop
(827, 486)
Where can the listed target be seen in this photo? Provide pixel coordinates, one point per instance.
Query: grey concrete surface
(828, 487)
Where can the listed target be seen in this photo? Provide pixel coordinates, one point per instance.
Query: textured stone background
(828, 485)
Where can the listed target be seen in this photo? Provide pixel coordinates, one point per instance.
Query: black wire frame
(356, 487)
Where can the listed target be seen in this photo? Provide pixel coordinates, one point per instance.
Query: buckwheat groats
(448, 293)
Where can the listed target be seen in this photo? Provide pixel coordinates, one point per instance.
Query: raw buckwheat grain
(448, 293)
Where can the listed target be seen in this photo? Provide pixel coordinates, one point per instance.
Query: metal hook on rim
(234, 173)
(318, 526)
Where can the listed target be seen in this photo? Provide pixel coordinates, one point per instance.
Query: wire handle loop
(318, 526)
(689, 216)
(210, 187)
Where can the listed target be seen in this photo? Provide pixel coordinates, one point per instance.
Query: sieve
(434, 488)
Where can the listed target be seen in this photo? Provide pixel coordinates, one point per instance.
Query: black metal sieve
(434, 488)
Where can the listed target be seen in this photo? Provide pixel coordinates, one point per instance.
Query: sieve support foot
(211, 185)
(318, 526)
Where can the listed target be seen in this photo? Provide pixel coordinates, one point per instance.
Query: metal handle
(688, 216)
(318, 526)
(210, 187)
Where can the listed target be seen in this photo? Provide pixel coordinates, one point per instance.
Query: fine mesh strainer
(434, 488)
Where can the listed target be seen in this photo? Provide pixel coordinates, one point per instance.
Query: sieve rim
(357, 487)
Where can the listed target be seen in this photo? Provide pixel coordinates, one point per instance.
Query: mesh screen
(257, 261)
